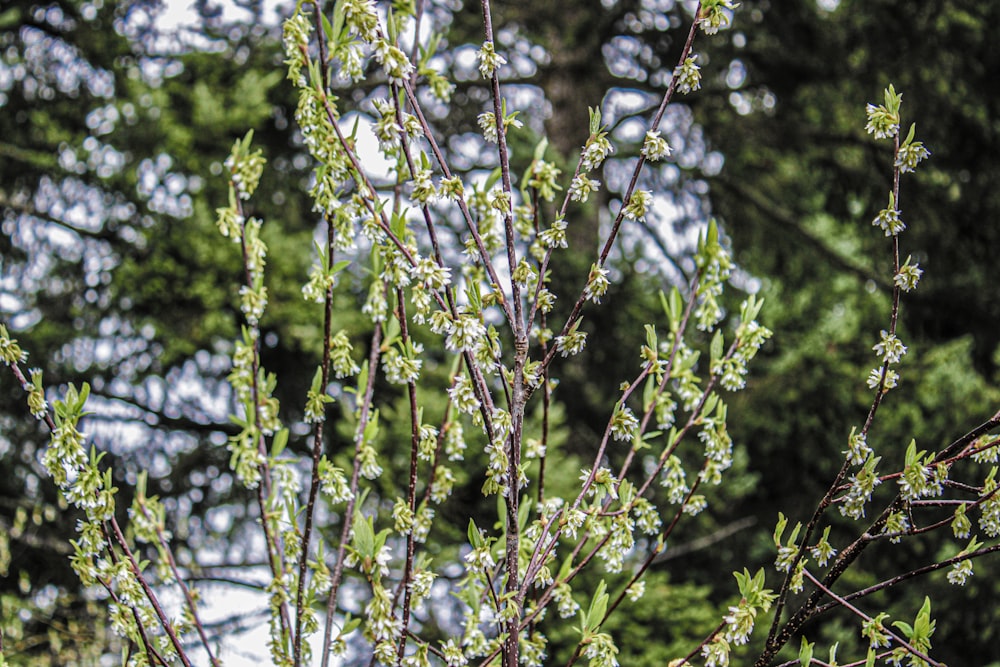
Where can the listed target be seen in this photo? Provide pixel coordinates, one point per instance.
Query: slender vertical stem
(365, 411)
(518, 396)
(411, 489)
(317, 451)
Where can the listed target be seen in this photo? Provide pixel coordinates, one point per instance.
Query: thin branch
(865, 617)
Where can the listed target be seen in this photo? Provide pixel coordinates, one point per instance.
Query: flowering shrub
(489, 311)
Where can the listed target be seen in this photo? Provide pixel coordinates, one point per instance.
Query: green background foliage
(140, 294)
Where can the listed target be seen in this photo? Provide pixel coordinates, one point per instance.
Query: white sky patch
(376, 166)
(182, 14)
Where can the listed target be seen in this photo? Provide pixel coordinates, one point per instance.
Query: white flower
(889, 221)
(889, 347)
(581, 187)
(688, 76)
(638, 204)
(594, 153)
(655, 148)
(489, 60)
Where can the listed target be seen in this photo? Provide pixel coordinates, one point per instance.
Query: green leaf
(751, 308)
(350, 625)
(779, 529)
(716, 348)
(598, 607)
(364, 535)
(428, 50)
(279, 442)
(595, 120)
(362, 379)
(328, 29)
(80, 398)
(523, 512)
(649, 392)
(566, 568)
(710, 403)
(904, 627)
(712, 238)
(391, 334)
(317, 381)
(675, 310)
(911, 452)
(651, 339)
(371, 429)
(397, 223)
(475, 537)
(338, 22)
(540, 148)
(9, 18)
(795, 534)
(805, 653)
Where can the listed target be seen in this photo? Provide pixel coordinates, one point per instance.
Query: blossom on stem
(883, 120)
(638, 205)
(654, 147)
(889, 347)
(597, 284)
(598, 148)
(911, 153)
(581, 187)
(715, 14)
(875, 377)
(688, 75)
(908, 276)
(888, 219)
(489, 60)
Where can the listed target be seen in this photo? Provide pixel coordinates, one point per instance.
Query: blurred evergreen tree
(112, 136)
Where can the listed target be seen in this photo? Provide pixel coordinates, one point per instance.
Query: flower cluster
(10, 351)
(489, 60)
(888, 219)
(962, 570)
(688, 75)
(623, 423)
(395, 64)
(581, 187)
(36, 395)
(857, 447)
(543, 176)
(715, 14)
(637, 205)
(883, 120)
(245, 167)
(875, 379)
(861, 487)
(754, 600)
(654, 147)
(908, 276)
(402, 363)
(333, 482)
(889, 348)
(555, 235)
(597, 284)
(823, 551)
(674, 479)
(597, 148)
(920, 477)
(573, 342)
(911, 153)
